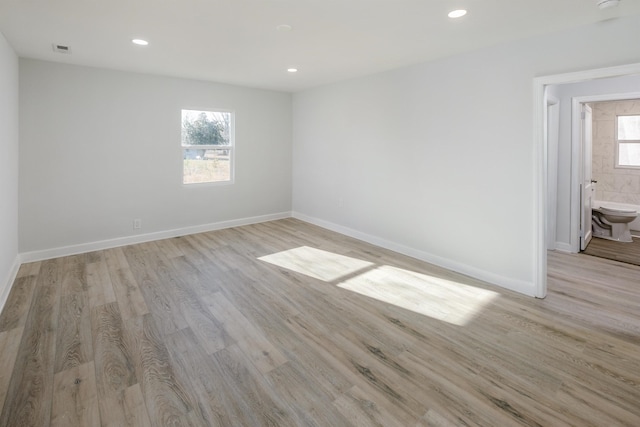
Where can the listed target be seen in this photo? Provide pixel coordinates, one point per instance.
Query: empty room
(317, 213)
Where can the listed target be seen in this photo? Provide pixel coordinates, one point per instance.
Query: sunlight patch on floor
(317, 263)
(437, 298)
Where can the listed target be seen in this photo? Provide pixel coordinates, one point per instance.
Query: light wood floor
(200, 331)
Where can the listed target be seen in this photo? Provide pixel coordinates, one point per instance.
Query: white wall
(8, 167)
(566, 92)
(99, 148)
(437, 159)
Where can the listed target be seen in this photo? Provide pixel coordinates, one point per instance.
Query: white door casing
(587, 184)
(552, 133)
(539, 258)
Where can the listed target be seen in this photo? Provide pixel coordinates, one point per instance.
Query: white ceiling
(236, 41)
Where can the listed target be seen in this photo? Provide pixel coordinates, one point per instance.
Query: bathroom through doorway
(614, 166)
(557, 169)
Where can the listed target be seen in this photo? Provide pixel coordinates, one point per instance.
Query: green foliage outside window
(204, 129)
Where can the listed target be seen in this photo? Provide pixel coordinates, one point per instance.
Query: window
(207, 146)
(628, 141)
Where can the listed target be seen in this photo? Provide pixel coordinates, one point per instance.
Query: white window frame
(230, 147)
(623, 141)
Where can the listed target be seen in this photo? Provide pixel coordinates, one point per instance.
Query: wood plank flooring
(286, 324)
(617, 251)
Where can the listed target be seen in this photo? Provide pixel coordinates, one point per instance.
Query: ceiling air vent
(60, 48)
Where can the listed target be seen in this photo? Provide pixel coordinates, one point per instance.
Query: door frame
(577, 166)
(540, 148)
(552, 132)
(584, 230)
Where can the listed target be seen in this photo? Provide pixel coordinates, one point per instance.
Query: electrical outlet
(137, 224)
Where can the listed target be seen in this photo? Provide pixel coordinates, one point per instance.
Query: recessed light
(292, 70)
(459, 13)
(140, 42)
(605, 4)
(284, 27)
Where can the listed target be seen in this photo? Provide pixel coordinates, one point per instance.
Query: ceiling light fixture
(605, 4)
(140, 42)
(292, 70)
(459, 13)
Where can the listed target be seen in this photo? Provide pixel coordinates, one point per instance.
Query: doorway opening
(591, 180)
(615, 167)
(544, 179)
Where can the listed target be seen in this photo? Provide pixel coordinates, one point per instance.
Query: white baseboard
(563, 247)
(505, 282)
(8, 283)
(149, 237)
(516, 285)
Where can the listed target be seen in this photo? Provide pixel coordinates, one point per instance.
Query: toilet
(612, 224)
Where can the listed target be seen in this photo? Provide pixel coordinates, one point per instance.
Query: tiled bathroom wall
(614, 184)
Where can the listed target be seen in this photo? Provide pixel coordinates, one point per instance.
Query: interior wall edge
(9, 167)
(40, 255)
(8, 283)
(512, 284)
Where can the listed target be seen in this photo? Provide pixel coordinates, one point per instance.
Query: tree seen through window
(207, 146)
